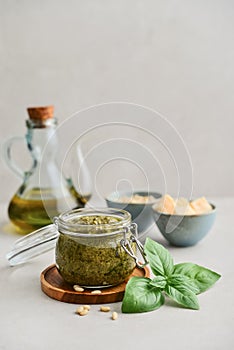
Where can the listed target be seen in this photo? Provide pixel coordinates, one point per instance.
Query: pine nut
(86, 307)
(105, 308)
(114, 315)
(78, 288)
(79, 309)
(84, 312)
(96, 291)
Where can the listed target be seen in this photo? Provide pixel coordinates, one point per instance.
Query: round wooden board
(54, 286)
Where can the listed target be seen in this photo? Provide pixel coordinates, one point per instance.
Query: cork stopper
(41, 113)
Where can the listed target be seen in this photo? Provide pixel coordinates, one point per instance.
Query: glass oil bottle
(44, 192)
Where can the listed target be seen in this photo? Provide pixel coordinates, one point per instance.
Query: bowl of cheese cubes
(182, 222)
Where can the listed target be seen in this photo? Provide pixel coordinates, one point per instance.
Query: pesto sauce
(96, 261)
(96, 220)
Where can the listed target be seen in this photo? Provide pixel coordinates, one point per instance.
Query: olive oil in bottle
(29, 214)
(38, 207)
(45, 192)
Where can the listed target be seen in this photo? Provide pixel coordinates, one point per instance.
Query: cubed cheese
(182, 207)
(165, 204)
(201, 206)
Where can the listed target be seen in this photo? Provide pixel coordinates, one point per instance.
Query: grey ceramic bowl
(184, 231)
(141, 213)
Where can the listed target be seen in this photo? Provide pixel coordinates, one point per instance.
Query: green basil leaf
(203, 277)
(140, 296)
(181, 294)
(184, 280)
(159, 282)
(159, 258)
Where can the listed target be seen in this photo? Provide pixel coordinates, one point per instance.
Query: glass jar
(93, 247)
(89, 251)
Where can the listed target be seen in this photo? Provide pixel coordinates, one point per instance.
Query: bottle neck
(41, 123)
(41, 135)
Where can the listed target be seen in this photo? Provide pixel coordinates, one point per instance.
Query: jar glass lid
(32, 245)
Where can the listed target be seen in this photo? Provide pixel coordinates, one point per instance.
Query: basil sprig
(181, 282)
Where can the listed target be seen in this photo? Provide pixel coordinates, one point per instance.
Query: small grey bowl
(141, 213)
(184, 231)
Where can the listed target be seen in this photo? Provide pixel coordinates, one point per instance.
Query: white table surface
(30, 320)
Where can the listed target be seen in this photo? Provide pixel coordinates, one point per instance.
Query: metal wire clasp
(125, 243)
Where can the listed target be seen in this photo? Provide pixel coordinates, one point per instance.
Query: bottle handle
(7, 148)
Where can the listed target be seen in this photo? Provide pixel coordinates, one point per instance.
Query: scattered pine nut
(84, 312)
(105, 308)
(86, 307)
(114, 315)
(79, 309)
(96, 291)
(77, 288)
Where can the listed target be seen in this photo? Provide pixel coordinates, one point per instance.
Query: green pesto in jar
(93, 260)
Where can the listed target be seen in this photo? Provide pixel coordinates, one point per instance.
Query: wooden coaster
(54, 286)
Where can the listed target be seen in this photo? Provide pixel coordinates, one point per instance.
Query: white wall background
(173, 56)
